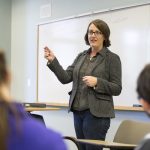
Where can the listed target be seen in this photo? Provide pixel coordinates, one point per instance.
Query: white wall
(25, 17)
(5, 27)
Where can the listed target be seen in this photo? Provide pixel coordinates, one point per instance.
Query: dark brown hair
(143, 84)
(5, 105)
(3, 113)
(103, 27)
(3, 70)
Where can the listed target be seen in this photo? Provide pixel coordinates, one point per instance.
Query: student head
(104, 30)
(143, 88)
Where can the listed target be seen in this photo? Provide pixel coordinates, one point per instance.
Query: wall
(5, 27)
(25, 17)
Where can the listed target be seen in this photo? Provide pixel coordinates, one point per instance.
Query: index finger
(84, 78)
(46, 49)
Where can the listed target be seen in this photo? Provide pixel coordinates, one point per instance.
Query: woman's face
(95, 37)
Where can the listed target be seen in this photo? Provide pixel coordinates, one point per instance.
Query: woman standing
(96, 76)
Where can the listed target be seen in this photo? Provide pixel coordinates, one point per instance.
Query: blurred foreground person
(19, 131)
(143, 89)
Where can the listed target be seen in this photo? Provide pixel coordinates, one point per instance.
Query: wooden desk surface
(107, 144)
(41, 109)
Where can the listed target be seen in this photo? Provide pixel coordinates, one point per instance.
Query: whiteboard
(130, 39)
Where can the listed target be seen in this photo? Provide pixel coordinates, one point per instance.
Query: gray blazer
(108, 72)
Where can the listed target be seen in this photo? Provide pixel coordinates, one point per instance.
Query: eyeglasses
(96, 33)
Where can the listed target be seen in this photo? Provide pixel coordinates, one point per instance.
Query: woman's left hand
(90, 81)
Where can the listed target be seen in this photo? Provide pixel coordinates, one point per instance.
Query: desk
(106, 144)
(41, 109)
(39, 117)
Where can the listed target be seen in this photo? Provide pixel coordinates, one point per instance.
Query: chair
(131, 132)
(128, 132)
(73, 139)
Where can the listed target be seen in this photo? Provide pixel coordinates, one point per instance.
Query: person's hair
(3, 114)
(143, 84)
(3, 69)
(103, 27)
(5, 105)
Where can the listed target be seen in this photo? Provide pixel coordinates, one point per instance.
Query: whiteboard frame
(78, 16)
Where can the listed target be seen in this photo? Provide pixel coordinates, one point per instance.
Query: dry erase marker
(137, 105)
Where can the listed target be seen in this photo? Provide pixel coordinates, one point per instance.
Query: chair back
(131, 132)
